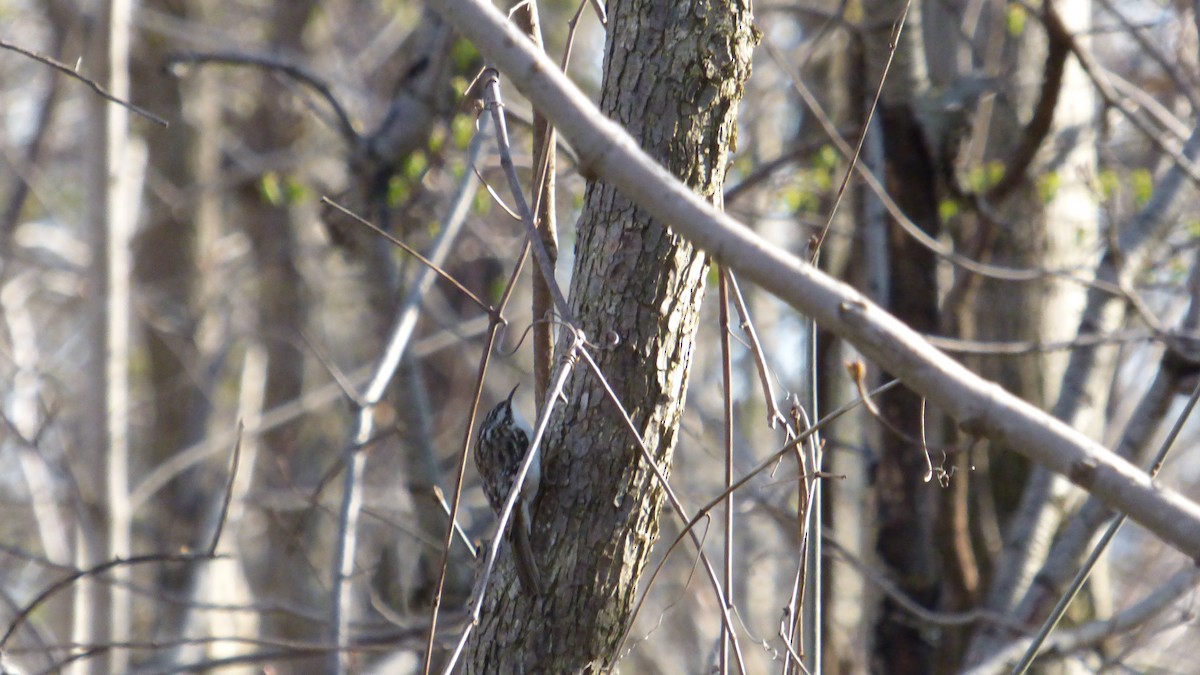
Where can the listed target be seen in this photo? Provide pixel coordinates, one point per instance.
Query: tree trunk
(167, 270)
(905, 510)
(1050, 228)
(272, 567)
(102, 614)
(674, 75)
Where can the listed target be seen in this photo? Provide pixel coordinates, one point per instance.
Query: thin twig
(440, 496)
(293, 70)
(444, 275)
(233, 468)
(491, 88)
(572, 27)
(909, 604)
(95, 86)
(18, 192)
(858, 373)
(893, 44)
(544, 139)
(92, 572)
(330, 367)
(774, 415)
(1020, 347)
(727, 413)
(809, 464)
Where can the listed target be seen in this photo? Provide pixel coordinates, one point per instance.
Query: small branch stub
(1083, 472)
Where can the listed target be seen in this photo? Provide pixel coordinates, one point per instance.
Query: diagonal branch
(981, 407)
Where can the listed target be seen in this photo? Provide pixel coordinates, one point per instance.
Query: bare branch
(292, 70)
(71, 72)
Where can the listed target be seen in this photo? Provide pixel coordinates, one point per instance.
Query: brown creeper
(503, 441)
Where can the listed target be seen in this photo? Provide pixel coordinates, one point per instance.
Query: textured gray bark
(673, 77)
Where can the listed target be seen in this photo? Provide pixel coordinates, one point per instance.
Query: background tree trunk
(905, 509)
(104, 530)
(1050, 221)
